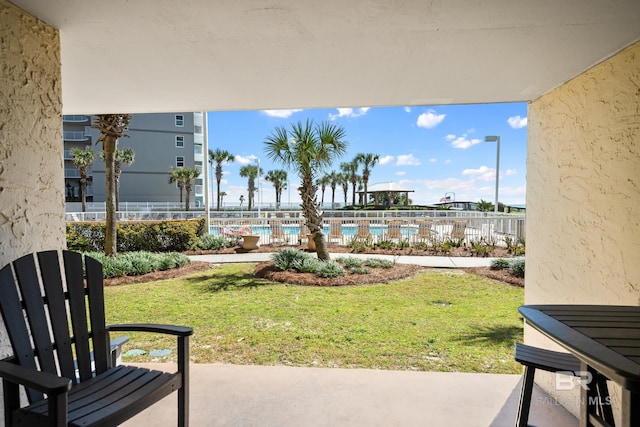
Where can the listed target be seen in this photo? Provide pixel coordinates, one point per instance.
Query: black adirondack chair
(52, 317)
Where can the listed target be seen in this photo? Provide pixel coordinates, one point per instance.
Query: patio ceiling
(162, 55)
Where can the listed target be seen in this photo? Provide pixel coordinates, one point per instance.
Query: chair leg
(604, 400)
(183, 392)
(522, 419)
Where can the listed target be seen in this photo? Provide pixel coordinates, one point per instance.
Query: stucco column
(583, 190)
(31, 148)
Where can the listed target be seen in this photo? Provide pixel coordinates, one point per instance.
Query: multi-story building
(160, 142)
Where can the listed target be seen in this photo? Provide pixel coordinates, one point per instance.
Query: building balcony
(71, 135)
(77, 118)
(75, 173)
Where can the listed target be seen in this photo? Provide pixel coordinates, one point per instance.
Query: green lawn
(435, 321)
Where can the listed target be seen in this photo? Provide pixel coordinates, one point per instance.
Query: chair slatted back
(335, 229)
(424, 229)
(34, 304)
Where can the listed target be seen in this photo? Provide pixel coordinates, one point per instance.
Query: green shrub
(499, 264)
(359, 270)
(516, 267)
(211, 242)
(360, 244)
(329, 269)
(385, 244)
(150, 236)
(307, 264)
(350, 262)
(378, 263)
(136, 263)
(284, 259)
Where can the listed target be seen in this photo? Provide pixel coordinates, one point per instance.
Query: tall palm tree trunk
(109, 148)
(83, 191)
(314, 218)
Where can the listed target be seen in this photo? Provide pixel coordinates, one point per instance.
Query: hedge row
(149, 236)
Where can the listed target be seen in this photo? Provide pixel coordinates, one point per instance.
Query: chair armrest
(181, 331)
(118, 342)
(42, 381)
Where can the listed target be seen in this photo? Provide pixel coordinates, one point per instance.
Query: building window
(179, 161)
(179, 141)
(197, 129)
(179, 120)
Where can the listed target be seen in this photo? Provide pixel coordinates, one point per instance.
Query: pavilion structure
(384, 193)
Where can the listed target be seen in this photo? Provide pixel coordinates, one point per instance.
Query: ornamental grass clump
(138, 263)
(378, 263)
(283, 259)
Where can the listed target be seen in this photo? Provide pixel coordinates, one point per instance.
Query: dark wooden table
(606, 339)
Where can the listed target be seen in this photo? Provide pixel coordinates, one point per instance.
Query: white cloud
(401, 173)
(448, 161)
(407, 160)
(244, 160)
(471, 130)
(407, 109)
(433, 160)
(349, 112)
(282, 114)
(510, 172)
(483, 173)
(385, 160)
(517, 122)
(461, 141)
(430, 119)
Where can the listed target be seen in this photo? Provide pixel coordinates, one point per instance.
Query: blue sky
(431, 149)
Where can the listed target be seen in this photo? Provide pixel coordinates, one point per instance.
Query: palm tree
(219, 157)
(351, 170)
(250, 172)
(309, 148)
(343, 180)
(334, 179)
(278, 178)
(368, 161)
(121, 158)
(222, 194)
(188, 175)
(112, 127)
(175, 177)
(484, 206)
(322, 182)
(82, 159)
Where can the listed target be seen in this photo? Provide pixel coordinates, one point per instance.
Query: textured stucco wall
(583, 190)
(31, 172)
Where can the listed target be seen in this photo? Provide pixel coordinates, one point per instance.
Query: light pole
(259, 192)
(495, 138)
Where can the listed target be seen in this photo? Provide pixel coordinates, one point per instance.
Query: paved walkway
(427, 261)
(266, 396)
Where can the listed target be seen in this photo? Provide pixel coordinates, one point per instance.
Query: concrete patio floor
(234, 395)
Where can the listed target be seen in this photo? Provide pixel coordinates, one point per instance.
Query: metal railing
(72, 135)
(342, 227)
(75, 118)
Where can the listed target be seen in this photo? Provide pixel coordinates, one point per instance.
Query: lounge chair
(230, 232)
(394, 230)
(277, 235)
(335, 231)
(424, 230)
(458, 231)
(363, 231)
